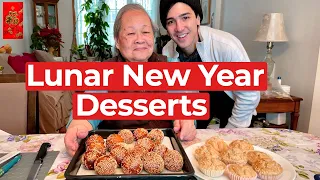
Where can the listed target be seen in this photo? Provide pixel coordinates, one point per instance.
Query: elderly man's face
(136, 38)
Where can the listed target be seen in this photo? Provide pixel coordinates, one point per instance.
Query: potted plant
(78, 54)
(36, 39)
(48, 39)
(97, 34)
(89, 49)
(161, 41)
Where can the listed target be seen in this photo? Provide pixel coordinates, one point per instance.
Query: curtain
(151, 6)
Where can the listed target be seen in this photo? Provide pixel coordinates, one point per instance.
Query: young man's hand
(186, 129)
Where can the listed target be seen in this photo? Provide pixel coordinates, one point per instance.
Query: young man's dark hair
(165, 6)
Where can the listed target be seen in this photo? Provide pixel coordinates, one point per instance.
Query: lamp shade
(272, 29)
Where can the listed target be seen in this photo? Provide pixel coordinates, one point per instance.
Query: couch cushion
(43, 56)
(4, 62)
(5, 56)
(18, 63)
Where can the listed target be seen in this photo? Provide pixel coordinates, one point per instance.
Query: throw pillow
(31, 55)
(18, 63)
(43, 56)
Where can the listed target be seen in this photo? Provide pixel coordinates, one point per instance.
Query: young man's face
(182, 27)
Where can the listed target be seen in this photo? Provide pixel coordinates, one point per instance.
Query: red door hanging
(12, 20)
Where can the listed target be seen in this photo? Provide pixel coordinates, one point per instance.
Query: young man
(191, 42)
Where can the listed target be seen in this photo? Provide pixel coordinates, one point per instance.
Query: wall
(19, 45)
(65, 26)
(297, 59)
(315, 110)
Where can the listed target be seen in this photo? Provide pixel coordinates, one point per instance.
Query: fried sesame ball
(173, 160)
(160, 149)
(101, 148)
(131, 165)
(119, 152)
(137, 151)
(95, 138)
(156, 135)
(88, 159)
(153, 163)
(105, 165)
(140, 133)
(126, 135)
(146, 143)
(112, 140)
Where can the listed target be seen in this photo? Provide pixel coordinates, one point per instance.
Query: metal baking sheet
(75, 164)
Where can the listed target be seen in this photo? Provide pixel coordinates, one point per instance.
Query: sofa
(54, 106)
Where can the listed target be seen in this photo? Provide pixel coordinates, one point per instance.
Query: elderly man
(134, 37)
(194, 43)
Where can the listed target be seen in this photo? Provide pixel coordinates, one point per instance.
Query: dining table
(302, 150)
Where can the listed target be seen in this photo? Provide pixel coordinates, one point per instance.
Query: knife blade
(38, 161)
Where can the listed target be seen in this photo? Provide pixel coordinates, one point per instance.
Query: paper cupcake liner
(269, 177)
(212, 173)
(233, 176)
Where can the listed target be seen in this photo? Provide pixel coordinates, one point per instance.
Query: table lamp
(271, 30)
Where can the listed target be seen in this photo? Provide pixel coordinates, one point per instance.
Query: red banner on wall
(12, 20)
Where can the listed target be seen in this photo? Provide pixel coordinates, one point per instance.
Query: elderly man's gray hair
(124, 9)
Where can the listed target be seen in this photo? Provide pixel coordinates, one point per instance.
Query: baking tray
(75, 164)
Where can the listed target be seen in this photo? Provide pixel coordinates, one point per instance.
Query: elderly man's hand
(186, 129)
(76, 131)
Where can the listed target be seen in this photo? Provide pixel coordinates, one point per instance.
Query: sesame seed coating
(140, 133)
(127, 135)
(138, 151)
(95, 138)
(160, 149)
(153, 163)
(173, 160)
(146, 143)
(119, 152)
(132, 165)
(105, 165)
(88, 159)
(156, 135)
(101, 148)
(113, 139)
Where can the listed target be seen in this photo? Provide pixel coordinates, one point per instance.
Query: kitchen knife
(38, 161)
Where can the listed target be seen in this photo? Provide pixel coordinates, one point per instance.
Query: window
(115, 5)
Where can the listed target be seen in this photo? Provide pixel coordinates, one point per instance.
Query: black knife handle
(42, 151)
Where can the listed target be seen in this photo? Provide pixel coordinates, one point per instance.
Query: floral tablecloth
(301, 149)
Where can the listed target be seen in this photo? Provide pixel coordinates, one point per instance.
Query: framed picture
(206, 6)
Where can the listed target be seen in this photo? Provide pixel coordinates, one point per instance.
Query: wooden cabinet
(46, 13)
(281, 105)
